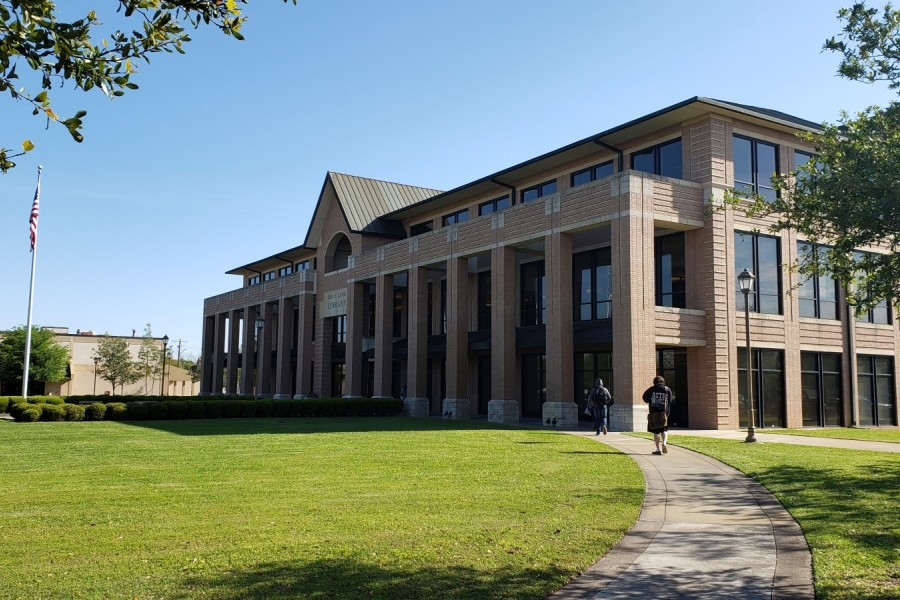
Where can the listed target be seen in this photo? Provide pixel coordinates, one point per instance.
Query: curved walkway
(706, 530)
(799, 440)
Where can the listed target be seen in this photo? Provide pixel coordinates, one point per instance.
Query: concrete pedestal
(416, 407)
(282, 397)
(503, 411)
(458, 408)
(564, 413)
(628, 417)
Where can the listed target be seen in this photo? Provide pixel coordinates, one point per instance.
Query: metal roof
(366, 200)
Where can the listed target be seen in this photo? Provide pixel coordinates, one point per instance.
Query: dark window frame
(541, 190)
(285, 271)
(872, 373)
(454, 217)
(577, 274)
(484, 300)
(873, 315)
(421, 228)
(255, 280)
(493, 205)
(760, 389)
(339, 329)
(677, 298)
(592, 173)
(755, 185)
(303, 265)
(398, 313)
(657, 161)
(269, 275)
(539, 309)
(755, 294)
(820, 373)
(816, 300)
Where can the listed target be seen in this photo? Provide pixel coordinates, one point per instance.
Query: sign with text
(335, 303)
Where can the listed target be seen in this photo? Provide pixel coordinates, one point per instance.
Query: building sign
(335, 303)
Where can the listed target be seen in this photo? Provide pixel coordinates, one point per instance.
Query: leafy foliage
(149, 361)
(66, 51)
(49, 360)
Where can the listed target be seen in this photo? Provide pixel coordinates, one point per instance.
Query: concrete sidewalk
(802, 440)
(705, 531)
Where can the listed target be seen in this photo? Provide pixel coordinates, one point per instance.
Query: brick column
(634, 300)
(504, 404)
(234, 350)
(209, 324)
(264, 352)
(384, 336)
(305, 348)
(285, 341)
(416, 403)
(356, 305)
(559, 349)
(219, 355)
(249, 351)
(457, 401)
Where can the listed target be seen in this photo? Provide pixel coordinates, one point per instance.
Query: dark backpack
(604, 396)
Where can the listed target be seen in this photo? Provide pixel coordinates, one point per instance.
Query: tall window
(820, 380)
(801, 158)
(420, 228)
(818, 294)
(398, 314)
(588, 367)
(534, 294)
(370, 310)
(754, 164)
(592, 284)
(664, 159)
(592, 173)
(338, 377)
(484, 300)
(538, 191)
(534, 384)
(880, 313)
(768, 387)
(430, 325)
(339, 330)
(875, 378)
(672, 365)
(494, 205)
(669, 258)
(760, 254)
(459, 216)
(341, 256)
(443, 306)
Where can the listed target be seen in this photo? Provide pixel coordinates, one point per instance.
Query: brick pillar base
(281, 397)
(565, 414)
(301, 397)
(204, 394)
(416, 407)
(458, 408)
(628, 417)
(503, 411)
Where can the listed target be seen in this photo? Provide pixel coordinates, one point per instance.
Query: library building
(506, 297)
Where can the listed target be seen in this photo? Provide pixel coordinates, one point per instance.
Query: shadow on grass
(349, 578)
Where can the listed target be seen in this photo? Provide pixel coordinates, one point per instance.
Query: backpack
(604, 396)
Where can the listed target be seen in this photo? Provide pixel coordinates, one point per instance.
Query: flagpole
(33, 221)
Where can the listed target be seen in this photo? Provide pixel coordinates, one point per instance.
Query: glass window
(285, 271)
(664, 159)
(457, 217)
(253, 280)
(339, 330)
(588, 367)
(338, 377)
(768, 387)
(533, 294)
(420, 228)
(303, 265)
(818, 294)
(370, 310)
(821, 389)
(672, 365)
(755, 163)
(592, 284)
(430, 312)
(443, 306)
(484, 300)
(670, 270)
(875, 389)
(398, 314)
(760, 254)
(592, 173)
(494, 205)
(269, 276)
(881, 312)
(537, 191)
(534, 384)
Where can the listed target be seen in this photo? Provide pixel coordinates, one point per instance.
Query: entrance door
(534, 386)
(484, 383)
(671, 365)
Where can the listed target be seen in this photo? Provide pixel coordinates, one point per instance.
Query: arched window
(340, 251)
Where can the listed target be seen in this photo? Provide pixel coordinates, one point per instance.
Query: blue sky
(219, 158)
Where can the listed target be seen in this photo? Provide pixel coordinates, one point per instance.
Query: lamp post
(260, 323)
(96, 362)
(745, 280)
(162, 386)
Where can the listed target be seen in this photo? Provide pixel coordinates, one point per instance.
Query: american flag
(32, 222)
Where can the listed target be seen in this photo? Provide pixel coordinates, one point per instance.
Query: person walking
(659, 397)
(598, 403)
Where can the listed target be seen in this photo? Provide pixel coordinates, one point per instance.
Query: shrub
(4, 402)
(56, 400)
(158, 411)
(177, 410)
(325, 407)
(52, 412)
(95, 411)
(248, 408)
(138, 411)
(264, 408)
(232, 408)
(388, 406)
(195, 409)
(30, 413)
(296, 407)
(116, 411)
(213, 409)
(310, 407)
(74, 412)
(282, 408)
(16, 400)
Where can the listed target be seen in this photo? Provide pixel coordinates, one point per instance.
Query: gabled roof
(364, 200)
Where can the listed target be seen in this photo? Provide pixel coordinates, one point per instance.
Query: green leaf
(27, 146)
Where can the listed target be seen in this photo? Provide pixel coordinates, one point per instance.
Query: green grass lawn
(844, 433)
(311, 508)
(845, 501)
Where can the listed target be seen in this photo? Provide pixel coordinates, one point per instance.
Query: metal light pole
(745, 280)
(162, 386)
(260, 323)
(96, 361)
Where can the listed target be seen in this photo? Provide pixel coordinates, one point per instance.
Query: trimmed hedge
(116, 411)
(177, 410)
(74, 412)
(213, 409)
(248, 408)
(52, 412)
(281, 408)
(95, 411)
(158, 411)
(264, 408)
(195, 409)
(138, 411)
(4, 403)
(29, 413)
(231, 408)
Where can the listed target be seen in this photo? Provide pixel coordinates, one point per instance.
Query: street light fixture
(96, 362)
(260, 323)
(162, 387)
(745, 281)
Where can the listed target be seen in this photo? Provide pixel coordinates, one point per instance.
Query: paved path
(705, 531)
(802, 440)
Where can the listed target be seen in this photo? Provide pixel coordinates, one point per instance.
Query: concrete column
(416, 403)
(504, 404)
(322, 376)
(219, 352)
(264, 352)
(384, 337)
(249, 351)
(285, 341)
(456, 404)
(209, 324)
(305, 349)
(560, 405)
(356, 313)
(234, 350)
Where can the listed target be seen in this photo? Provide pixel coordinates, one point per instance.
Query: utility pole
(180, 342)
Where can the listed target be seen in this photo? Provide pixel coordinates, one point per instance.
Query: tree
(115, 364)
(149, 360)
(847, 197)
(60, 51)
(49, 360)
